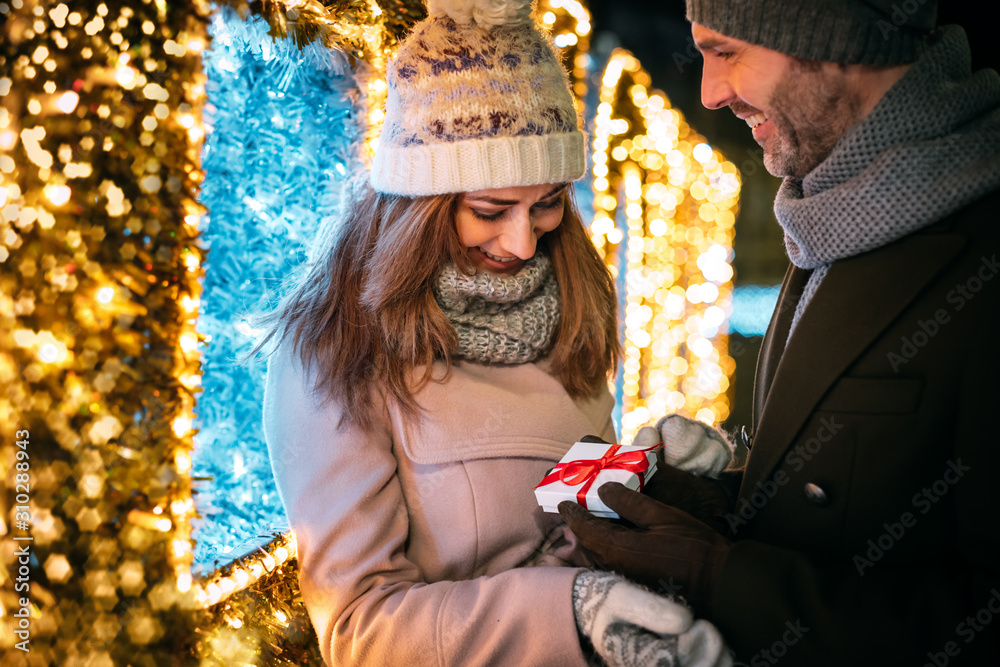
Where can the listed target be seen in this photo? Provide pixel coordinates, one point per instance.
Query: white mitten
(688, 445)
(629, 625)
(703, 645)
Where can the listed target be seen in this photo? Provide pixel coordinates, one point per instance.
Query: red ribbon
(585, 471)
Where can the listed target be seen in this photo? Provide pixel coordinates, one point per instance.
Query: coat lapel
(777, 334)
(858, 298)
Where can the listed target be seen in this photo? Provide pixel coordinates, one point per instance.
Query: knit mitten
(629, 625)
(688, 445)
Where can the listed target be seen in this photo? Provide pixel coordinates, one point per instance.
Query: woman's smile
(495, 263)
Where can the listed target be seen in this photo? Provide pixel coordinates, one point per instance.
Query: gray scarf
(929, 147)
(501, 319)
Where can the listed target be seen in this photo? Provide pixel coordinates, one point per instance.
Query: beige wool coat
(421, 543)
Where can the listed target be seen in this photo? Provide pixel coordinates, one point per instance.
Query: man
(865, 526)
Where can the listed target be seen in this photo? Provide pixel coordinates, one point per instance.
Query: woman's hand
(688, 445)
(628, 625)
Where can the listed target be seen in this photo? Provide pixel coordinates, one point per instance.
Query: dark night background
(660, 37)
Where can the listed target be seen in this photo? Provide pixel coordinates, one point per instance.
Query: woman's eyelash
(489, 216)
(555, 203)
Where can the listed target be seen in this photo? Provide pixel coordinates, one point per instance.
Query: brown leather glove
(666, 549)
(703, 498)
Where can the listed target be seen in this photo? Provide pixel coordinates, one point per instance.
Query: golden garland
(101, 141)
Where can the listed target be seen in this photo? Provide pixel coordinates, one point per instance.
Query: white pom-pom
(486, 13)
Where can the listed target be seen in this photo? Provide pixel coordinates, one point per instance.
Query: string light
(665, 204)
(246, 571)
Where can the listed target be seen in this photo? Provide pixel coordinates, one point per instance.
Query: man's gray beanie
(866, 32)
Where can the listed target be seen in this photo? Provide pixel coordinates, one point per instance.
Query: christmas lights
(665, 204)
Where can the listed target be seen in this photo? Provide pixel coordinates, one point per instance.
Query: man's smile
(756, 119)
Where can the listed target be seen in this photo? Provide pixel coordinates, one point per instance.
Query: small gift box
(588, 465)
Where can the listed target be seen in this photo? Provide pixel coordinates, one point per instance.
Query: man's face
(798, 110)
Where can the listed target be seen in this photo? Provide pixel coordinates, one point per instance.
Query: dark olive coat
(869, 511)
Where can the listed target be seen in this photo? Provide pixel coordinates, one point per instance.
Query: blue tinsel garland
(283, 132)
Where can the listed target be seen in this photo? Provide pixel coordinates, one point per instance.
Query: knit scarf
(499, 318)
(929, 147)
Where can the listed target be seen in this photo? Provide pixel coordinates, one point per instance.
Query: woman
(445, 349)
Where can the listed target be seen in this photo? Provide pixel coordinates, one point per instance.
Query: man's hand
(667, 546)
(703, 498)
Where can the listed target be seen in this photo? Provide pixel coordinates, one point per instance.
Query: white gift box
(591, 464)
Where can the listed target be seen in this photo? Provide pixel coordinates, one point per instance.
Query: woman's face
(501, 226)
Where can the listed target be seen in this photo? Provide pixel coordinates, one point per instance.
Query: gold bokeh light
(665, 207)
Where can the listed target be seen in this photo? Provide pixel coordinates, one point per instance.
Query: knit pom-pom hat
(477, 100)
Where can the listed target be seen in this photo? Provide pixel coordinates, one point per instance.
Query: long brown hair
(364, 314)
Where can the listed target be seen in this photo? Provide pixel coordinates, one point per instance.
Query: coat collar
(857, 300)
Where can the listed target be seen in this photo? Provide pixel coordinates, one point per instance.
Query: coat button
(816, 495)
(746, 437)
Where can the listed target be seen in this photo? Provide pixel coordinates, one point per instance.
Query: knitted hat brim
(479, 164)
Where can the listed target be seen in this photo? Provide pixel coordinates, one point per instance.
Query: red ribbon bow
(586, 471)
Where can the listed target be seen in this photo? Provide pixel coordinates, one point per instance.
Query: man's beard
(811, 111)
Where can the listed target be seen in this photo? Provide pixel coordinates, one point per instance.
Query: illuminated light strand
(678, 197)
(245, 571)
